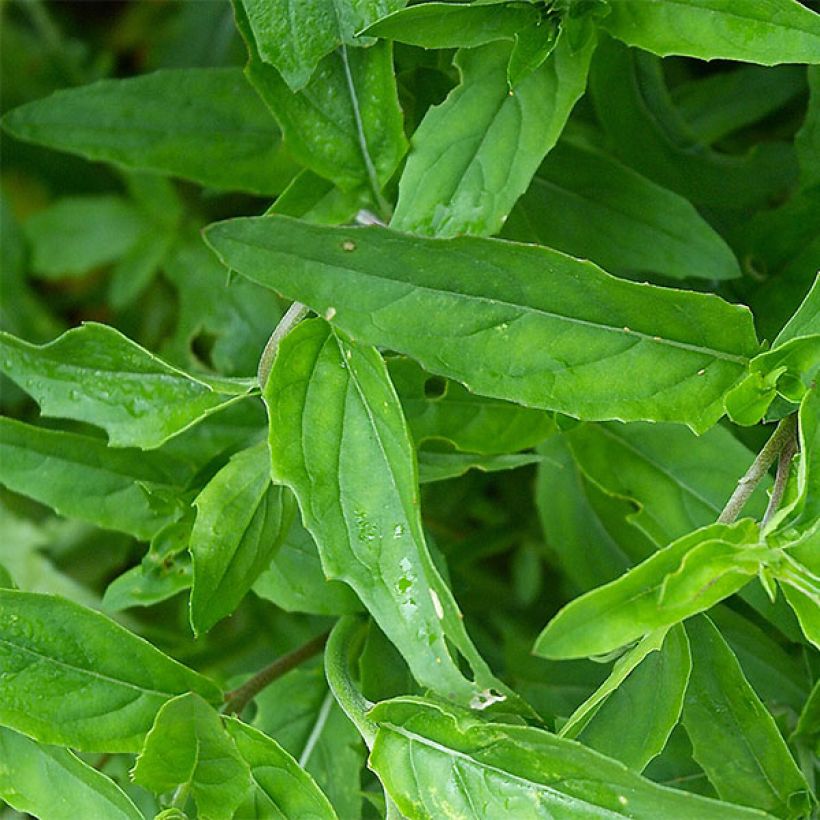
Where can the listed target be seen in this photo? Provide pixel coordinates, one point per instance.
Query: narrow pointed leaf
(188, 747)
(54, 784)
(71, 676)
(757, 31)
(453, 303)
(435, 759)
(687, 577)
(223, 136)
(95, 374)
(474, 154)
(435, 466)
(355, 479)
(734, 738)
(240, 522)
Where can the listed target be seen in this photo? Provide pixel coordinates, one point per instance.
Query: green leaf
(475, 154)
(80, 477)
(316, 199)
(240, 523)
(95, 374)
(77, 234)
(73, 677)
(646, 131)
(440, 466)
(679, 481)
(635, 721)
(300, 713)
(756, 31)
(188, 748)
(441, 410)
(734, 738)
(54, 784)
(687, 577)
(294, 580)
(456, 25)
(435, 759)
(293, 37)
(346, 123)
(443, 303)
(617, 218)
(807, 139)
(281, 788)
(223, 136)
(369, 534)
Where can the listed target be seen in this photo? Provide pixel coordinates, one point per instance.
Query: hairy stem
(783, 466)
(760, 466)
(238, 699)
(294, 314)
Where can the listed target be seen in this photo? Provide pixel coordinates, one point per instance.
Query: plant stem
(294, 314)
(783, 466)
(760, 466)
(239, 698)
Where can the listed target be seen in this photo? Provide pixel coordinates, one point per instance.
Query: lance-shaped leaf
(54, 784)
(474, 155)
(346, 123)
(679, 481)
(223, 136)
(635, 720)
(434, 759)
(293, 37)
(687, 577)
(439, 466)
(756, 31)
(356, 482)
(517, 322)
(80, 477)
(188, 748)
(444, 410)
(617, 218)
(734, 738)
(281, 788)
(72, 676)
(95, 374)
(240, 523)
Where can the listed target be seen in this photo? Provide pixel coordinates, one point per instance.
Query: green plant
(232, 582)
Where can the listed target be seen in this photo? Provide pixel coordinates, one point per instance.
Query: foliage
(410, 409)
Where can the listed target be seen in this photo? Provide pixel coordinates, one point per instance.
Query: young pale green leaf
(281, 788)
(434, 759)
(80, 477)
(687, 577)
(188, 748)
(346, 123)
(734, 738)
(77, 234)
(807, 139)
(95, 374)
(475, 154)
(443, 410)
(73, 677)
(54, 784)
(440, 466)
(294, 580)
(646, 131)
(806, 607)
(756, 31)
(240, 523)
(456, 25)
(293, 38)
(617, 218)
(368, 532)
(518, 322)
(634, 723)
(678, 480)
(223, 136)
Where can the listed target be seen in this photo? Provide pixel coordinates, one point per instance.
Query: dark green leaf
(535, 335)
(807, 140)
(735, 739)
(72, 676)
(54, 784)
(222, 136)
(95, 374)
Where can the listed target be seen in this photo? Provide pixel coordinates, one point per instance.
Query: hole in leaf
(435, 387)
